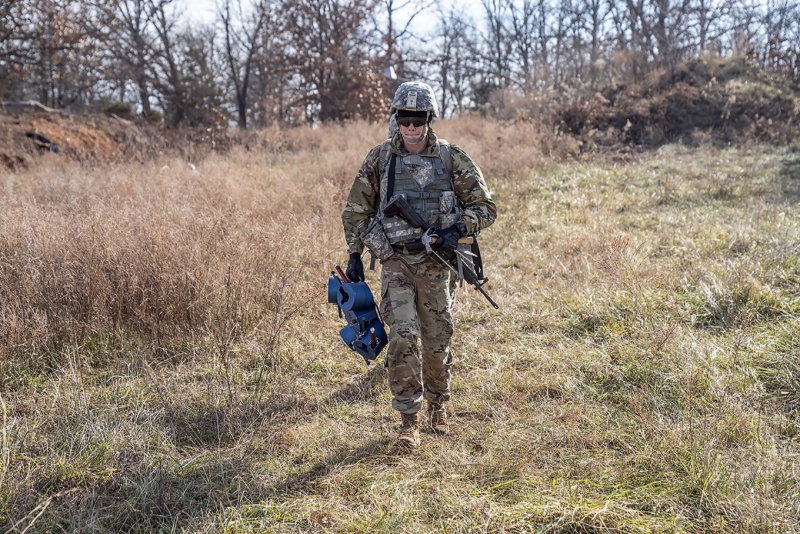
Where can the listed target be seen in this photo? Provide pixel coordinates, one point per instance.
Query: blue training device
(364, 332)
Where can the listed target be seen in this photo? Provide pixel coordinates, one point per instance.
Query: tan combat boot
(408, 439)
(437, 418)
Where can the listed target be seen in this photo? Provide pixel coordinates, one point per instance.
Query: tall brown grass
(155, 248)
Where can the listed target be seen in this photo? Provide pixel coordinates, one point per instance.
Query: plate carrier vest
(431, 200)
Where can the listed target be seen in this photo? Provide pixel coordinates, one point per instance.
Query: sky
(204, 10)
(201, 10)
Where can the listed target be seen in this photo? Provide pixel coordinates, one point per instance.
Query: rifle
(398, 206)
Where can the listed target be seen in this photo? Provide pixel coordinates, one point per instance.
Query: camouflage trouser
(416, 302)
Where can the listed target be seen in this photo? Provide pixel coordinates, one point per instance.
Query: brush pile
(724, 101)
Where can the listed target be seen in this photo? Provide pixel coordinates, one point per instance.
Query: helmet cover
(415, 96)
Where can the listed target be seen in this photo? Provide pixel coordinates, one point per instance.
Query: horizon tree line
(260, 62)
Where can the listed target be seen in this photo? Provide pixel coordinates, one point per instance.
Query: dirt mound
(95, 138)
(726, 101)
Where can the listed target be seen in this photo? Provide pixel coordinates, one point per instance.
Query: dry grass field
(169, 362)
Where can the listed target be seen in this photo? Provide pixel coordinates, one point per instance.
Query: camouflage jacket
(468, 184)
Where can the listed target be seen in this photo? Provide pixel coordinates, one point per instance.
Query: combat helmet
(415, 96)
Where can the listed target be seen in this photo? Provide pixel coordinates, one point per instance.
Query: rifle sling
(416, 245)
(390, 178)
(477, 260)
(409, 247)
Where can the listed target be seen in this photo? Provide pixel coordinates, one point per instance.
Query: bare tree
(454, 38)
(570, 63)
(395, 34)
(169, 79)
(781, 24)
(592, 19)
(202, 77)
(16, 37)
(671, 31)
(543, 37)
(133, 45)
(272, 92)
(497, 42)
(659, 29)
(330, 56)
(318, 60)
(242, 29)
(523, 33)
(13, 16)
(51, 50)
(710, 20)
(534, 33)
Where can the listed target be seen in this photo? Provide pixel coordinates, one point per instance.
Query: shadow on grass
(212, 473)
(790, 172)
(366, 387)
(170, 496)
(206, 425)
(304, 481)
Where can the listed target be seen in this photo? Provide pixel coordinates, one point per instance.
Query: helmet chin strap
(415, 140)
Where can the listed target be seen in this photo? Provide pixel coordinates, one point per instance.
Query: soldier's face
(413, 134)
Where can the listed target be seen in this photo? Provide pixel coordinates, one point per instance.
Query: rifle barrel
(485, 294)
(470, 277)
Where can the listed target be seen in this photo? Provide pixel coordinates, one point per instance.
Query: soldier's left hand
(355, 268)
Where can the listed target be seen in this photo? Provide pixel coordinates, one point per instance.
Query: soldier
(443, 184)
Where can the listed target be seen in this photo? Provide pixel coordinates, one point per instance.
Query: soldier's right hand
(447, 238)
(355, 268)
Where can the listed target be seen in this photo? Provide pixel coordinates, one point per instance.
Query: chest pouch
(374, 238)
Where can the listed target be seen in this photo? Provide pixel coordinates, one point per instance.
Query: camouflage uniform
(416, 292)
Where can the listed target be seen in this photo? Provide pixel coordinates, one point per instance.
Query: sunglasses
(408, 121)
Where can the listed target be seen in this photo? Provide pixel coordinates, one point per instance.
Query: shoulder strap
(447, 155)
(390, 178)
(385, 148)
(383, 158)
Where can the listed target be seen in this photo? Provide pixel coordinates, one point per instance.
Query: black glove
(355, 269)
(448, 237)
